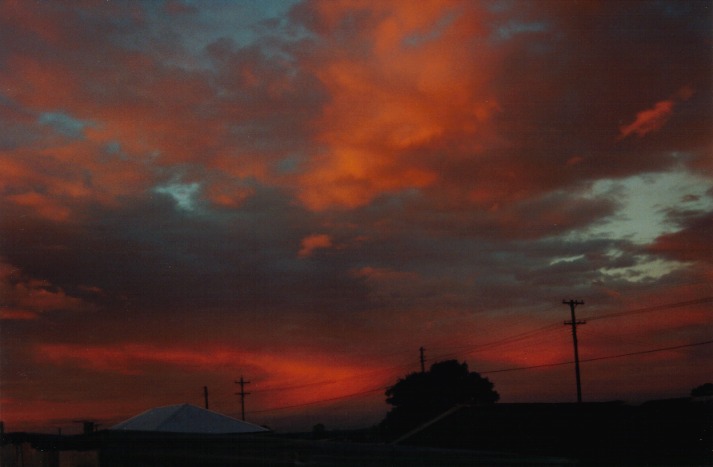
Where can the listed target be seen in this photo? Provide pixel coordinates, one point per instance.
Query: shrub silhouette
(702, 390)
(420, 397)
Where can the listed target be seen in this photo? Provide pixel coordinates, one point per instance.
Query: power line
(469, 349)
(649, 309)
(322, 401)
(299, 386)
(608, 357)
(383, 388)
(337, 380)
(642, 352)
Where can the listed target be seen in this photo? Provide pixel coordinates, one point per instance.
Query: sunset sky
(306, 192)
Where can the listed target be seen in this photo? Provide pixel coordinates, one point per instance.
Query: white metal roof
(186, 418)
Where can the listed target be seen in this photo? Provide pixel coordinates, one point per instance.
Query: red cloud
(57, 183)
(320, 376)
(26, 298)
(692, 243)
(649, 120)
(395, 106)
(43, 205)
(655, 118)
(155, 116)
(313, 242)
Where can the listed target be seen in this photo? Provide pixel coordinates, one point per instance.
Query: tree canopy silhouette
(421, 396)
(702, 390)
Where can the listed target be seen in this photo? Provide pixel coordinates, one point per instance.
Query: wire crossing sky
(384, 388)
(517, 338)
(306, 192)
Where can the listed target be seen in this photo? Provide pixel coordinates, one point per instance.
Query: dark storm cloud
(566, 91)
(155, 254)
(691, 243)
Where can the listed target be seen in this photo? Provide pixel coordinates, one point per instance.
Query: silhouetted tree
(319, 431)
(420, 397)
(702, 390)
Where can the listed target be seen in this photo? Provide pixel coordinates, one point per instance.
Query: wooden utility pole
(242, 394)
(423, 360)
(572, 304)
(205, 396)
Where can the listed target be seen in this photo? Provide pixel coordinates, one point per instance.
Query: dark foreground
(666, 432)
(674, 432)
(143, 449)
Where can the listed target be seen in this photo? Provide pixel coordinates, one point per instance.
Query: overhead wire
(466, 350)
(594, 359)
(503, 370)
(649, 309)
(470, 349)
(337, 380)
(504, 342)
(322, 401)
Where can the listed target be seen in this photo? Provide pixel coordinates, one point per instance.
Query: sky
(304, 193)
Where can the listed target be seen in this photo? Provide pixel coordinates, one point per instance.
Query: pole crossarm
(242, 395)
(573, 322)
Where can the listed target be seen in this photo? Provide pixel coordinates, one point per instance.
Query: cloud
(314, 242)
(649, 120)
(653, 119)
(389, 117)
(43, 205)
(64, 124)
(26, 298)
(282, 380)
(306, 181)
(691, 243)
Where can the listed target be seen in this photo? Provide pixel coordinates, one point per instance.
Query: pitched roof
(186, 418)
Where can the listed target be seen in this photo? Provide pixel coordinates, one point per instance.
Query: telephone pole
(423, 360)
(242, 394)
(572, 305)
(205, 396)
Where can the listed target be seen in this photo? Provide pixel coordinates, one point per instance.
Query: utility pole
(423, 360)
(205, 396)
(572, 304)
(242, 394)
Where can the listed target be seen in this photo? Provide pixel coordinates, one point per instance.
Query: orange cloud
(574, 160)
(15, 315)
(314, 242)
(58, 177)
(653, 119)
(648, 120)
(26, 298)
(133, 358)
(389, 111)
(227, 195)
(295, 378)
(45, 206)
